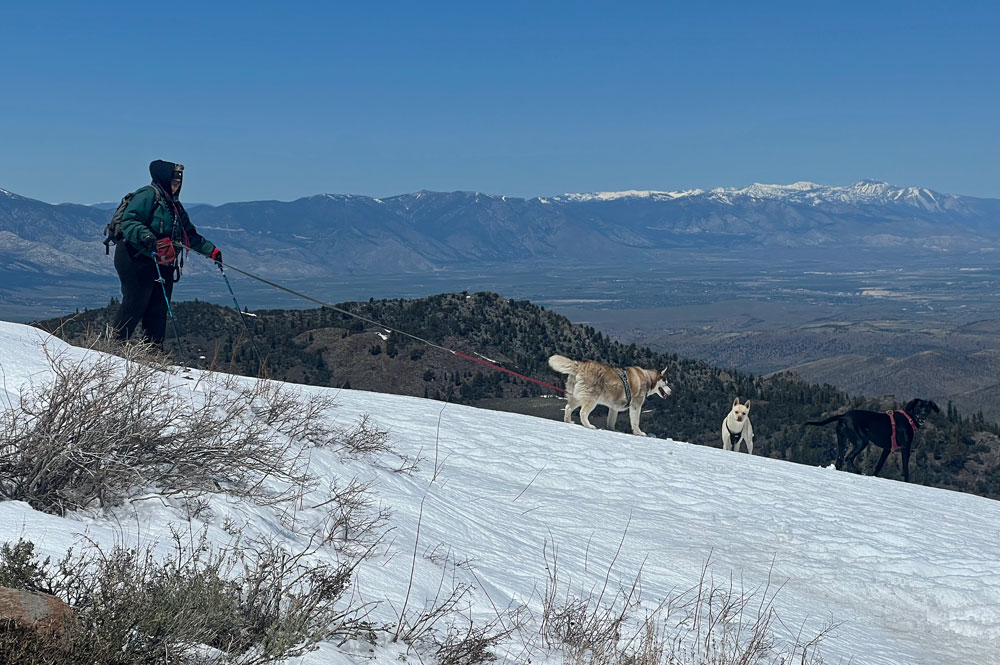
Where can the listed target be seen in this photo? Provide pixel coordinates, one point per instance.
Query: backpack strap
(112, 231)
(157, 200)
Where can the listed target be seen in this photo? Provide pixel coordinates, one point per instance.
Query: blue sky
(283, 100)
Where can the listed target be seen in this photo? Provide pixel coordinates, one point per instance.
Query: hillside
(505, 534)
(328, 348)
(971, 379)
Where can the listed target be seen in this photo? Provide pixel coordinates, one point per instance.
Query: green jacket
(145, 217)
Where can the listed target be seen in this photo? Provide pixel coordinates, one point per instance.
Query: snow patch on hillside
(909, 570)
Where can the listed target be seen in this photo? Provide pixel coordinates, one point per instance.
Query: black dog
(859, 428)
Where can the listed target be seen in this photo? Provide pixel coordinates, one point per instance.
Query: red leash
(504, 369)
(385, 327)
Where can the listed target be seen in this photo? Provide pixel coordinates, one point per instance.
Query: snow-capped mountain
(864, 192)
(429, 231)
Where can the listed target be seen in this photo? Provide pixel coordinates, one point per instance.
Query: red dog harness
(892, 425)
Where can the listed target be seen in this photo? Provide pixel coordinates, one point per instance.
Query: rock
(40, 613)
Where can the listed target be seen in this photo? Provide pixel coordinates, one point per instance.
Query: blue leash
(239, 311)
(170, 310)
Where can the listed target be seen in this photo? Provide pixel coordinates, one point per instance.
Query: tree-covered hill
(327, 347)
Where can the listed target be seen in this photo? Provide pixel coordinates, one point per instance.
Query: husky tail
(563, 365)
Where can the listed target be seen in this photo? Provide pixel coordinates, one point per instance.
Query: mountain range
(330, 235)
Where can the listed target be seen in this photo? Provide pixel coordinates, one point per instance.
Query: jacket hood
(163, 172)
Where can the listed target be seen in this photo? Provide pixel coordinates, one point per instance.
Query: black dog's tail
(824, 422)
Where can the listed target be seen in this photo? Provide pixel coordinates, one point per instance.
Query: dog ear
(747, 405)
(736, 402)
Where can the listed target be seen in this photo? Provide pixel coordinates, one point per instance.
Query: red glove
(216, 255)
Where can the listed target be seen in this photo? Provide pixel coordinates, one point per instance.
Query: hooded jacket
(146, 217)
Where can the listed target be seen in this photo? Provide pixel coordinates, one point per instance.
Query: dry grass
(710, 624)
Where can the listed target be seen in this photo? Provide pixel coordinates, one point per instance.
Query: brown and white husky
(619, 388)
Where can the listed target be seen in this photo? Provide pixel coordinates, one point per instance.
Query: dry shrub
(250, 603)
(465, 643)
(354, 517)
(588, 627)
(365, 438)
(444, 626)
(107, 426)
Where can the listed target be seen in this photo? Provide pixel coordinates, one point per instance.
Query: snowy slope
(909, 571)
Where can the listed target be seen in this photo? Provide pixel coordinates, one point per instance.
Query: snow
(910, 571)
(627, 194)
(807, 193)
(227, 229)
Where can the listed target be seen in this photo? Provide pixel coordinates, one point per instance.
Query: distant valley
(933, 332)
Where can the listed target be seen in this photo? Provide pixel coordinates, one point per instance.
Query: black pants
(142, 295)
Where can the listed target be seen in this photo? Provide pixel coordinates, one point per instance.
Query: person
(153, 225)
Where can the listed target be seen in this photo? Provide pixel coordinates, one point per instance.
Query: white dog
(619, 388)
(736, 428)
